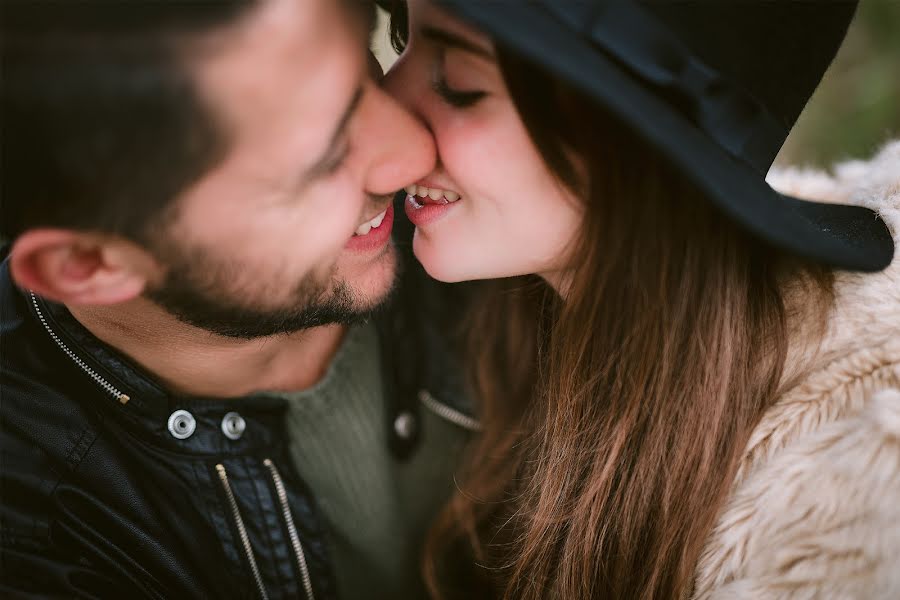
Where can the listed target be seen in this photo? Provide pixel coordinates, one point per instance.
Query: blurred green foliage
(857, 106)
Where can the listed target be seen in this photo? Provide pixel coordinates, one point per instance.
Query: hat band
(633, 37)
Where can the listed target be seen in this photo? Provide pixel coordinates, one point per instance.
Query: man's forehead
(296, 38)
(281, 81)
(295, 24)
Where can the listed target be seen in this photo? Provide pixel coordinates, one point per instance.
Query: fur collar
(866, 312)
(859, 347)
(813, 511)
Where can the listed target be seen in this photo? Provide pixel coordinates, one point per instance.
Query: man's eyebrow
(454, 40)
(365, 9)
(325, 162)
(370, 17)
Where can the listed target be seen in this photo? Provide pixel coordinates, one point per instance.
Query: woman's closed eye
(453, 97)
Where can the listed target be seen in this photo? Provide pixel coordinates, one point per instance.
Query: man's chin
(347, 299)
(371, 281)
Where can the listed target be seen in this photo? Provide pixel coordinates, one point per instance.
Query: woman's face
(491, 208)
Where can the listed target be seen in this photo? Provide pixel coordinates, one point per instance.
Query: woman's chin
(433, 261)
(441, 262)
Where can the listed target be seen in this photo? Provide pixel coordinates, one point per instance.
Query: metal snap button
(182, 424)
(233, 425)
(405, 425)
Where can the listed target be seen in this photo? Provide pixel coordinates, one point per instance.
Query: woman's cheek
(470, 155)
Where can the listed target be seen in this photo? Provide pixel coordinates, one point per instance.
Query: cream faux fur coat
(815, 508)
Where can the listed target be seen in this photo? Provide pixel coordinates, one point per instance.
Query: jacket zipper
(447, 413)
(292, 530)
(103, 383)
(220, 469)
(242, 531)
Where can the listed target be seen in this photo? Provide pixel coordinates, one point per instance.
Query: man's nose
(403, 150)
(403, 84)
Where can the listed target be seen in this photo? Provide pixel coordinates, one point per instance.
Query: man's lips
(373, 222)
(376, 237)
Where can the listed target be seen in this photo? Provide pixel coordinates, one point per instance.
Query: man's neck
(195, 362)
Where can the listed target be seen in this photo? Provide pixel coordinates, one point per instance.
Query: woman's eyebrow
(454, 40)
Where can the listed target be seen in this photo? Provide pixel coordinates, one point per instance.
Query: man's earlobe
(78, 268)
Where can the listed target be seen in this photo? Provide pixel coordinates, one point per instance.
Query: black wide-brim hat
(715, 85)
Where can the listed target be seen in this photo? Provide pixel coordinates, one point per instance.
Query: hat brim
(844, 237)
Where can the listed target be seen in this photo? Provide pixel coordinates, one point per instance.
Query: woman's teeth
(368, 226)
(434, 194)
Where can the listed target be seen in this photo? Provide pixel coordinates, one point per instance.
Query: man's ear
(79, 268)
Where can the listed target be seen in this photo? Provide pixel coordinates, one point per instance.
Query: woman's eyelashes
(455, 98)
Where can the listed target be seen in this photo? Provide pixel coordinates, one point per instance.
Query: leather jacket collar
(418, 359)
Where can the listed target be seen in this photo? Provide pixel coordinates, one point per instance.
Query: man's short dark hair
(102, 125)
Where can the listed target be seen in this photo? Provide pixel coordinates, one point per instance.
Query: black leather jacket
(112, 487)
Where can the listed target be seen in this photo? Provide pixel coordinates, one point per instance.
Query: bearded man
(196, 400)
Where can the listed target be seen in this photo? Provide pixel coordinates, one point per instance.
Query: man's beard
(196, 291)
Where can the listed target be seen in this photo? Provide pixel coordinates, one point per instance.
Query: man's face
(264, 243)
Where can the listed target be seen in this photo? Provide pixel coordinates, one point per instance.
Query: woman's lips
(377, 237)
(426, 203)
(422, 211)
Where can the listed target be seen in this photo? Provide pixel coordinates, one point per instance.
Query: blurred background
(857, 105)
(855, 109)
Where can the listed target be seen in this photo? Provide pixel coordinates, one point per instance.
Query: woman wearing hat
(690, 382)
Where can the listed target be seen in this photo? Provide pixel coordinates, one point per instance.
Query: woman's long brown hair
(614, 420)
